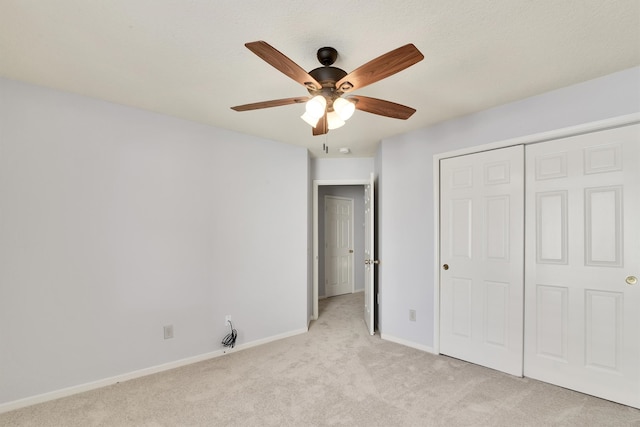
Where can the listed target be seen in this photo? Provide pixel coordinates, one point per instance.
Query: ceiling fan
(326, 108)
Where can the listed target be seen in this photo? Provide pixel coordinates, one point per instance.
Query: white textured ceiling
(186, 58)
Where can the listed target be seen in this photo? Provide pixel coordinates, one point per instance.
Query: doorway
(341, 188)
(329, 251)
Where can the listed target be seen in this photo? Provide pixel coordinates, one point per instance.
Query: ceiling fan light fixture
(316, 106)
(312, 121)
(326, 84)
(344, 108)
(334, 121)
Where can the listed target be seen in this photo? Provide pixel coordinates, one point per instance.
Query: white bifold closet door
(482, 254)
(582, 324)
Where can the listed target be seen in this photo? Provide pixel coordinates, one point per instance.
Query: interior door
(338, 251)
(481, 279)
(582, 325)
(369, 261)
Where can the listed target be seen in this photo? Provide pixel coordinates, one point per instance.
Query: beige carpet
(334, 375)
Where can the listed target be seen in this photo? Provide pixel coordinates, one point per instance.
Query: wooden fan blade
(273, 103)
(383, 66)
(283, 64)
(321, 128)
(382, 107)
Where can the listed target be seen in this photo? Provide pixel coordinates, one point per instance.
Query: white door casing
(481, 254)
(582, 324)
(369, 255)
(338, 252)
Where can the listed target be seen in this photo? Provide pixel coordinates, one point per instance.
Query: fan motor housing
(327, 76)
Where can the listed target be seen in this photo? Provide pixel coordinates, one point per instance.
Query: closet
(540, 254)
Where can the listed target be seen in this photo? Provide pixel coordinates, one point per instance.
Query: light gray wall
(405, 194)
(115, 222)
(359, 168)
(355, 192)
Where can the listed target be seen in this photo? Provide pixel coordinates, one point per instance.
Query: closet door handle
(445, 267)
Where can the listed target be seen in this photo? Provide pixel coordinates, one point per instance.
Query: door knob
(445, 267)
(631, 280)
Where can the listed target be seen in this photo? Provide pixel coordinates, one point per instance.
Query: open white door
(369, 261)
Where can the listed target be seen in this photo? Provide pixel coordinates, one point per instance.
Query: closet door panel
(481, 289)
(582, 324)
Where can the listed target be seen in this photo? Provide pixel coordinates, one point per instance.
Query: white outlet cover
(168, 332)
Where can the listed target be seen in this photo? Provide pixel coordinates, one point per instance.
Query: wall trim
(69, 391)
(406, 343)
(584, 128)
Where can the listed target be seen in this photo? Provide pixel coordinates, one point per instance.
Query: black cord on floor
(230, 339)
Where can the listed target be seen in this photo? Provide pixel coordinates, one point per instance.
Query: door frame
(599, 125)
(317, 183)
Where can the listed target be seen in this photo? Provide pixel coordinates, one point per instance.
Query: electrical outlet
(168, 332)
(227, 320)
(412, 315)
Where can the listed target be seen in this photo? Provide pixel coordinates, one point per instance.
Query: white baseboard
(266, 340)
(408, 343)
(355, 291)
(69, 391)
